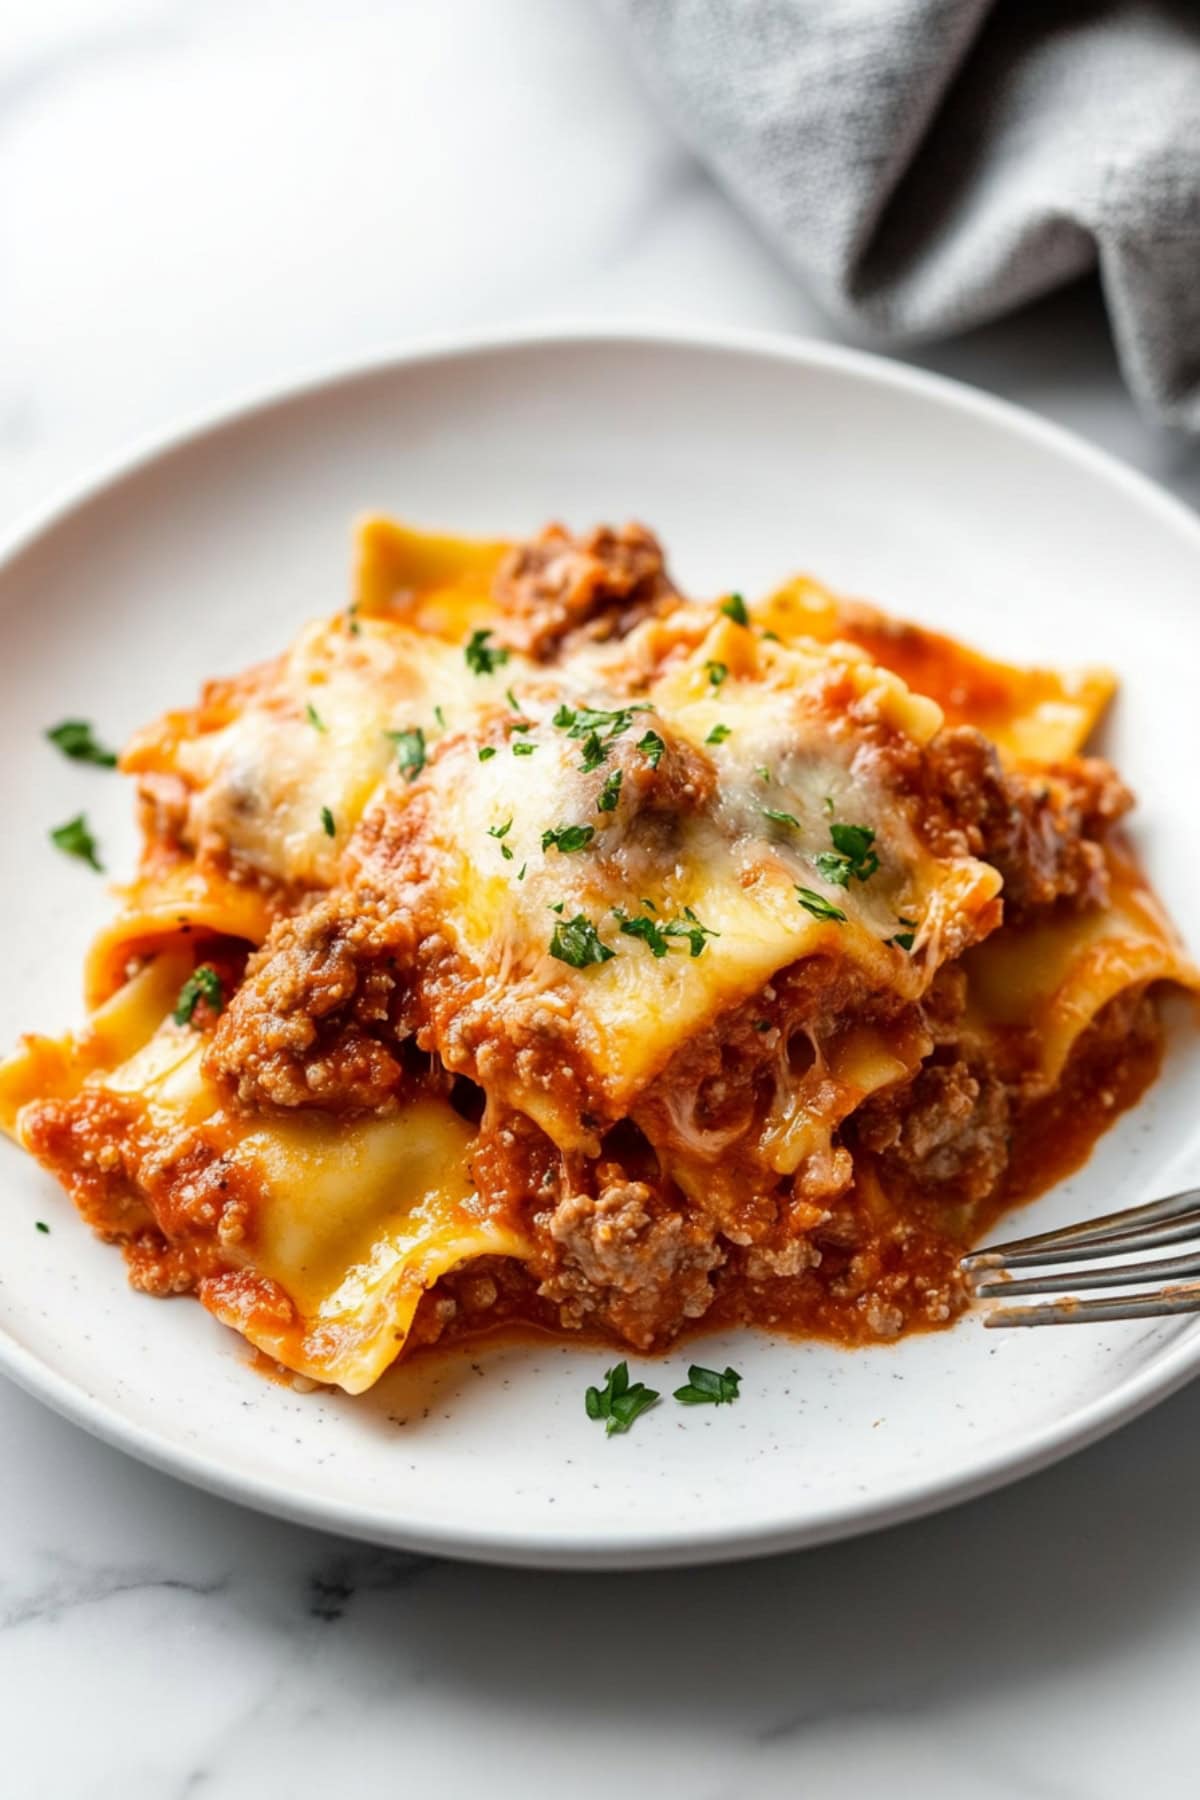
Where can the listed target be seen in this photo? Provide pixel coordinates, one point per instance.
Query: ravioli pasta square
(533, 943)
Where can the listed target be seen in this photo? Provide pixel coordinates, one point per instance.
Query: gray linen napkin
(928, 164)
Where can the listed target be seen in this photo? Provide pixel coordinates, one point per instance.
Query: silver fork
(1174, 1220)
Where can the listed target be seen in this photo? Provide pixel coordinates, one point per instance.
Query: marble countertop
(200, 198)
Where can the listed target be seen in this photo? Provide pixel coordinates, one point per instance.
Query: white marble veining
(199, 198)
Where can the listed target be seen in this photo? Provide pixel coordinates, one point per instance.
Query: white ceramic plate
(753, 458)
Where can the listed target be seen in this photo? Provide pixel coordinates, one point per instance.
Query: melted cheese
(503, 894)
(316, 741)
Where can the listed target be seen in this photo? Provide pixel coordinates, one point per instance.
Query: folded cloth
(928, 164)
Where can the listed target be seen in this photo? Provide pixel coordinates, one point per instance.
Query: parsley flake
(705, 1387)
(566, 838)
(735, 608)
(652, 747)
(594, 752)
(440, 716)
(314, 718)
(500, 831)
(596, 728)
(852, 857)
(780, 818)
(410, 750)
(818, 906)
(41, 1225)
(619, 1402)
(717, 672)
(689, 927)
(521, 748)
(581, 721)
(74, 737)
(907, 938)
(74, 839)
(645, 929)
(512, 699)
(204, 983)
(577, 943)
(718, 734)
(610, 793)
(327, 822)
(482, 659)
(487, 751)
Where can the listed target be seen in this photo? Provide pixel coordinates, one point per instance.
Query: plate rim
(1168, 1369)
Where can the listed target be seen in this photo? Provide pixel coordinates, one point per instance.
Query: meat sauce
(862, 1247)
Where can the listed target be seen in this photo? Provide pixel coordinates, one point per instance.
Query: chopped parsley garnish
(595, 728)
(204, 983)
(610, 793)
(619, 1402)
(643, 928)
(482, 659)
(512, 699)
(763, 773)
(735, 608)
(718, 734)
(828, 806)
(75, 739)
(567, 838)
(352, 624)
(689, 927)
(440, 716)
(502, 831)
(652, 747)
(655, 935)
(717, 672)
(577, 942)
(772, 637)
(521, 748)
(41, 1225)
(75, 839)
(521, 871)
(410, 750)
(851, 857)
(854, 842)
(780, 818)
(818, 906)
(522, 725)
(705, 1387)
(487, 751)
(905, 939)
(327, 822)
(594, 752)
(581, 721)
(314, 718)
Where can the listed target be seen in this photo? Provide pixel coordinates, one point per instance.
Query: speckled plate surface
(753, 458)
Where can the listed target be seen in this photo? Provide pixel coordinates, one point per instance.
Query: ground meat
(619, 1259)
(300, 1031)
(554, 583)
(951, 1123)
(1041, 832)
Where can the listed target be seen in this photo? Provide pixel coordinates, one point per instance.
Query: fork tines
(1173, 1220)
